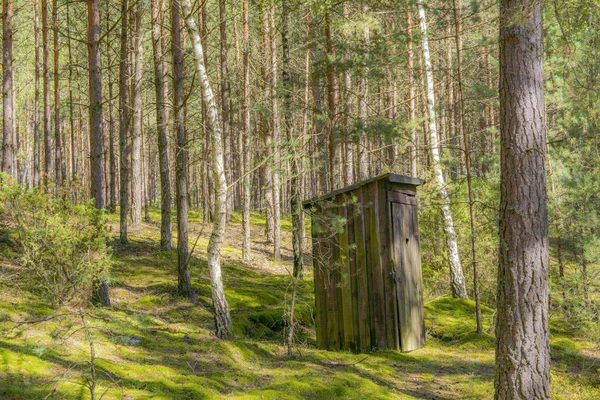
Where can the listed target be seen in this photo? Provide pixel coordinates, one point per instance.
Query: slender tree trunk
(9, 151)
(162, 121)
(225, 99)
(522, 333)
(363, 153)
(334, 153)
(73, 146)
(457, 8)
(96, 135)
(46, 89)
(348, 173)
(246, 143)
(112, 202)
(412, 94)
(456, 273)
(267, 132)
(59, 169)
(124, 120)
(136, 131)
(276, 139)
(222, 317)
(181, 169)
(36, 102)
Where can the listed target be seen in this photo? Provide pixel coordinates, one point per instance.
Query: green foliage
(63, 246)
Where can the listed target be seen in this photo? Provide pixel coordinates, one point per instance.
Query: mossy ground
(154, 344)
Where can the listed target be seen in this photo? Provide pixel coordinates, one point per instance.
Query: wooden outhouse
(367, 266)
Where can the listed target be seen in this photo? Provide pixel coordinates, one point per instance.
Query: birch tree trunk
(136, 131)
(456, 272)
(522, 333)
(162, 121)
(9, 153)
(222, 317)
(124, 120)
(181, 168)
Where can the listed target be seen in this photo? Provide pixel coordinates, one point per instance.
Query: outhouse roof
(390, 176)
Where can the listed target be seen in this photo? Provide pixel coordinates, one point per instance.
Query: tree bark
(276, 139)
(162, 121)
(457, 11)
(59, 168)
(412, 94)
(124, 120)
(246, 150)
(9, 151)
(136, 131)
(267, 132)
(363, 153)
(181, 168)
(522, 333)
(46, 90)
(96, 134)
(222, 317)
(36, 102)
(225, 98)
(456, 272)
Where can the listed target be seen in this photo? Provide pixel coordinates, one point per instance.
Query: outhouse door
(407, 270)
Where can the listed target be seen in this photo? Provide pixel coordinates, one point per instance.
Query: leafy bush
(62, 246)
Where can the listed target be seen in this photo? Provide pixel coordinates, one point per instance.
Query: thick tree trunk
(136, 131)
(162, 121)
(124, 120)
(222, 317)
(246, 143)
(181, 167)
(456, 272)
(522, 334)
(96, 135)
(9, 150)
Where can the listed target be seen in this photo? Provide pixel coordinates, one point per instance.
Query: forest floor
(153, 344)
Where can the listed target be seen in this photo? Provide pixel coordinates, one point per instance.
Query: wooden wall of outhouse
(367, 266)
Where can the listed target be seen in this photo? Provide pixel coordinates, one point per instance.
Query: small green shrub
(62, 246)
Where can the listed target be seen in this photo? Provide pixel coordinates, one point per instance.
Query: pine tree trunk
(181, 167)
(96, 134)
(522, 333)
(246, 150)
(124, 120)
(36, 102)
(59, 170)
(267, 132)
(136, 131)
(225, 99)
(46, 89)
(275, 140)
(73, 159)
(222, 317)
(456, 273)
(363, 153)
(162, 121)
(9, 151)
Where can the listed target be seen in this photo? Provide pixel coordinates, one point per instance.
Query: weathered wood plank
(319, 278)
(351, 227)
(364, 316)
(375, 266)
(344, 279)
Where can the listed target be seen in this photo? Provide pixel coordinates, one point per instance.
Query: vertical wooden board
(409, 287)
(344, 285)
(333, 306)
(414, 260)
(364, 316)
(350, 209)
(389, 296)
(401, 294)
(375, 266)
(319, 278)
